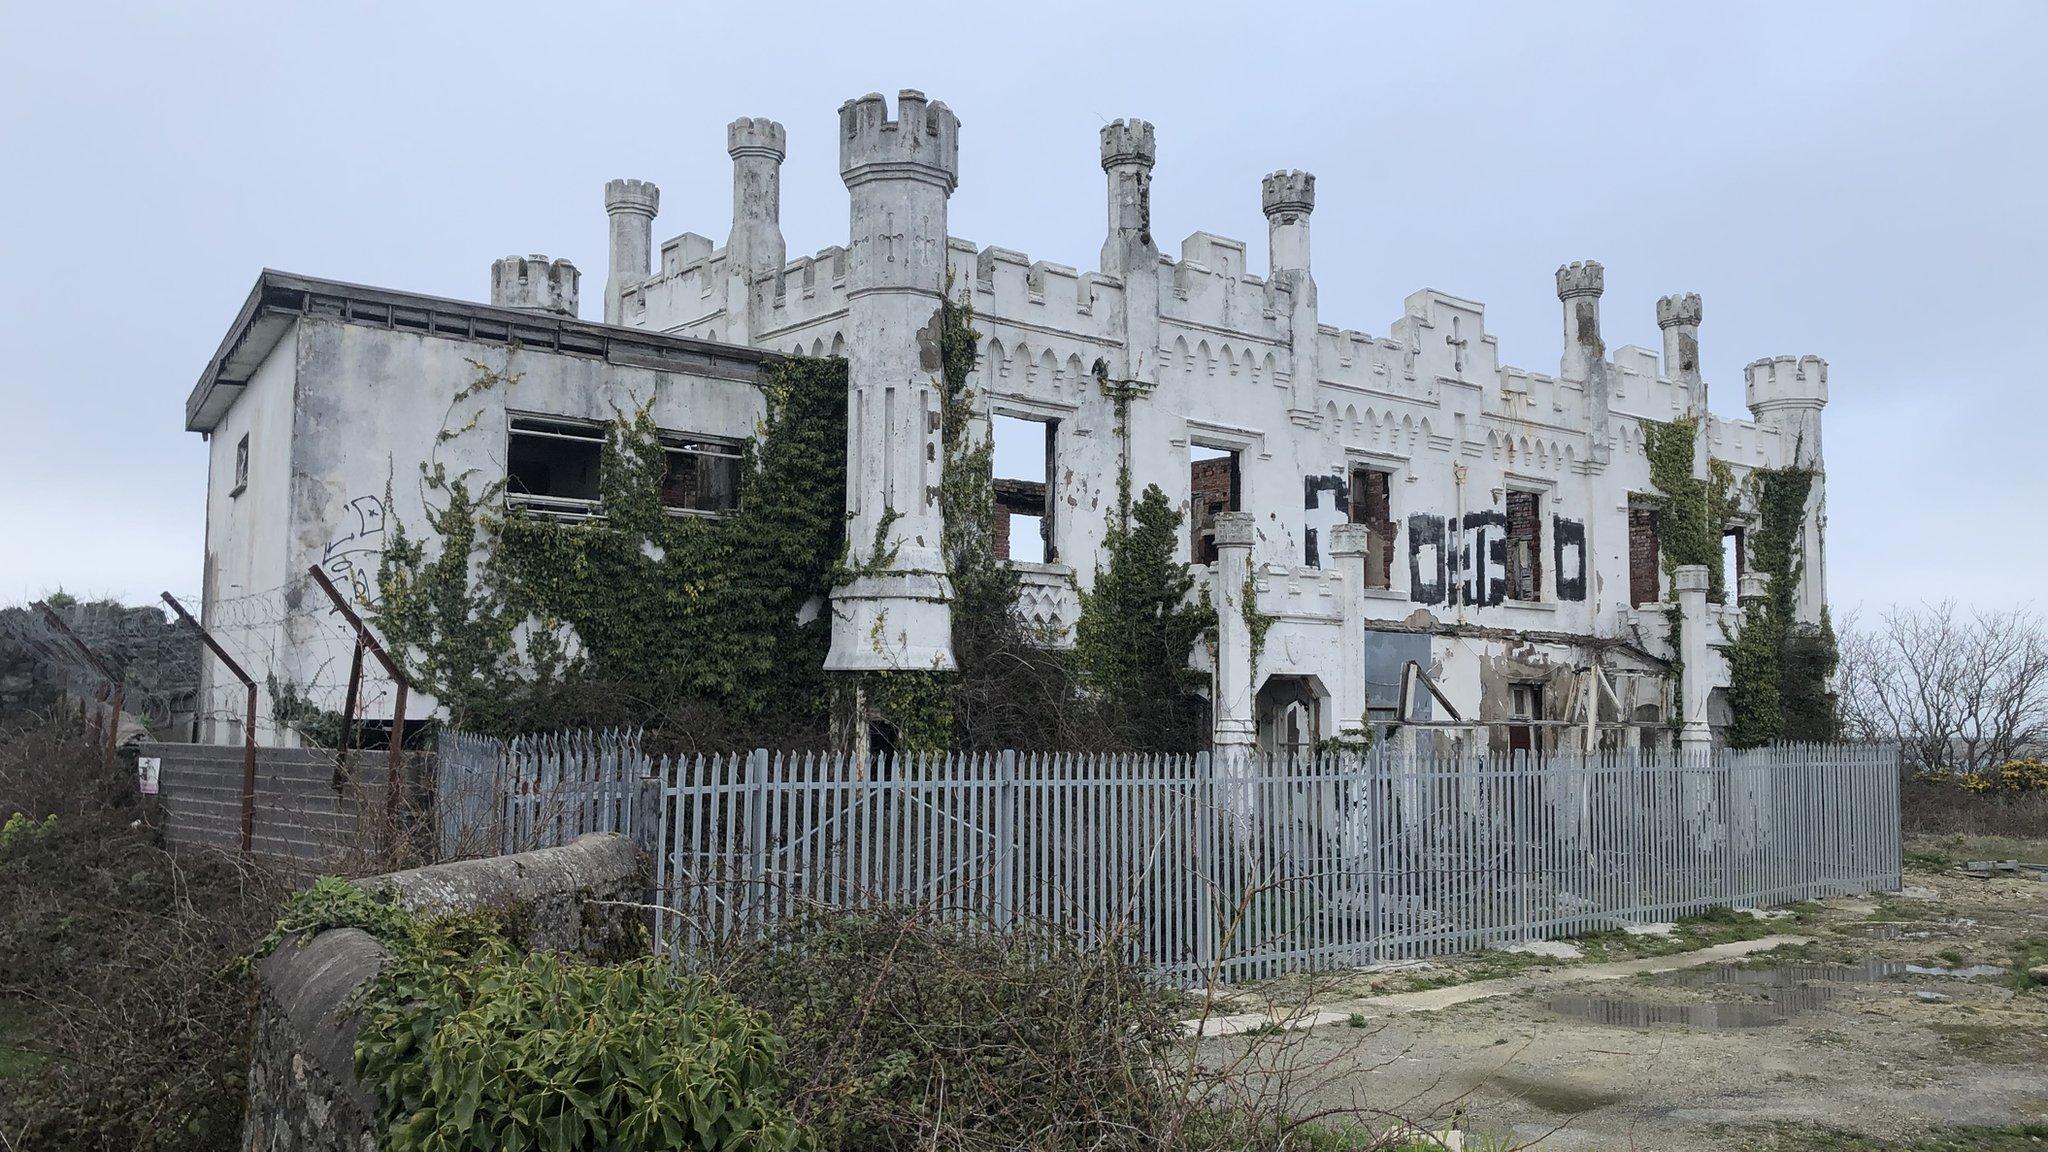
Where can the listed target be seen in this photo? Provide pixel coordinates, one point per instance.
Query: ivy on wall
(1779, 668)
(675, 607)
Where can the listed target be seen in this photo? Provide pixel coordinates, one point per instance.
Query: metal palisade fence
(1222, 867)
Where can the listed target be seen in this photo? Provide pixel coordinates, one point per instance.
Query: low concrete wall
(303, 1094)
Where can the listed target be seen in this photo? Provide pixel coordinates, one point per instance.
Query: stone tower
(631, 206)
(894, 613)
(754, 249)
(1787, 393)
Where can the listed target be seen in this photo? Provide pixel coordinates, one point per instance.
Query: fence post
(1006, 838)
(1208, 873)
(649, 819)
(757, 831)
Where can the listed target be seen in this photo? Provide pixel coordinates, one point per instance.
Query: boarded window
(1213, 488)
(241, 465)
(1023, 466)
(1642, 557)
(1372, 505)
(1525, 546)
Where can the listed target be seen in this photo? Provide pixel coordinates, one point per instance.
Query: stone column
(754, 248)
(1351, 549)
(631, 204)
(1289, 198)
(1679, 317)
(1236, 728)
(1690, 580)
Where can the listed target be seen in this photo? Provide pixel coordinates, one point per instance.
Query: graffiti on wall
(351, 558)
(1466, 562)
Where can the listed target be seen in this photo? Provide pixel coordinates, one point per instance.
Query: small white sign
(147, 769)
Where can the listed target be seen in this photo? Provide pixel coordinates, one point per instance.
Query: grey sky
(1859, 181)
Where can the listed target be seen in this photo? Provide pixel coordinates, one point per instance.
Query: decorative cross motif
(892, 240)
(1457, 344)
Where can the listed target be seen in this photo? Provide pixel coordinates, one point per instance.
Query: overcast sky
(1863, 182)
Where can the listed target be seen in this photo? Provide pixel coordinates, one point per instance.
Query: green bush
(469, 1046)
(903, 1033)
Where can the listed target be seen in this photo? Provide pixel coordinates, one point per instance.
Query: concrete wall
(307, 817)
(303, 1093)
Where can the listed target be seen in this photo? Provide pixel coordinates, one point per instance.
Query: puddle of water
(1782, 1006)
(1796, 975)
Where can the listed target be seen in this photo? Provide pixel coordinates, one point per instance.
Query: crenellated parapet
(756, 136)
(921, 142)
(1288, 193)
(1581, 278)
(535, 284)
(1128, 143)
(1679, 311)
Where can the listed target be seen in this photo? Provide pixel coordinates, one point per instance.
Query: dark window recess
(1642, 557)
(552, 465)
(1525, 546)
(702, 475)
(1213, 488)
(1526, 704)
(241, 465)
(1372, 505)
(1023, 481)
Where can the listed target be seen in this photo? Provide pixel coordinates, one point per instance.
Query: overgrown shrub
(49, 765)
(1943, 804)
(469, 1046)
(904, 1033)
(2013, 776)
(117, 958)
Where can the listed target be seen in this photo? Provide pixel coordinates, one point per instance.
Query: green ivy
(1779, 668)
(292, 707)
(469, 1046)
(681, 608)
(1256, 622)
(1691, 514)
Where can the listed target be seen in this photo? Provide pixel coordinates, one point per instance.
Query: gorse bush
(469, 1046)
(2013, 776)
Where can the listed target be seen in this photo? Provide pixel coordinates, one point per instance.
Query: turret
(1679, 317)
(1288, 197)
(535, 284)
(754, 248)
(1787, 393)
(1128, 155)
(1579, 285)
(898, 174)
(631, 204)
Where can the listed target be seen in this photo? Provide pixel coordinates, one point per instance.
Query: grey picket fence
(1226, 867)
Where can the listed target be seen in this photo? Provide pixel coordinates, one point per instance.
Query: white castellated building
(1395, 498)
(1439, 540)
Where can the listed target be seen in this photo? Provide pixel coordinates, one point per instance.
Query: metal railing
(1221, 867)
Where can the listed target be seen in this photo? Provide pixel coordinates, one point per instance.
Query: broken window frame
(1524, 567)
(724, 451)
(1645, 513)
(1731, 573)
(1379, 576)
(1019, 496)
(1202, 519)
(241, 466)
(594, 435)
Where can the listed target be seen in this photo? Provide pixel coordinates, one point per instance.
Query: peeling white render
(1439, 539)
(342, 392)
(1504, 623)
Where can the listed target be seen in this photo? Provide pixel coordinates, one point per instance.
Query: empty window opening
(701, 476)
(1642, 557)
(1525, 707)
(241, 465)
(552, 465)
(1025, 456)
(1372, 505)
(1731, 564)
(1525, 546)
(1213, 488)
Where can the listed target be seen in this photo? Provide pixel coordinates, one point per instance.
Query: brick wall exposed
(1209, 483)
(1372, 503)
(1525, 538)
(1643, 564)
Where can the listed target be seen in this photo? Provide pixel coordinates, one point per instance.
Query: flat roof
(280, 299)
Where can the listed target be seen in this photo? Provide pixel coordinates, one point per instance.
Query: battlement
(1128, 142)
(756, 136)
(1581, 278)
(632, 196)
(923, 139)
(1289, 192)
(1785, 382)
(536, 284)
(1673, 311)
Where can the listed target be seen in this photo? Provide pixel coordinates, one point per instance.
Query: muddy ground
(1794, 1048)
